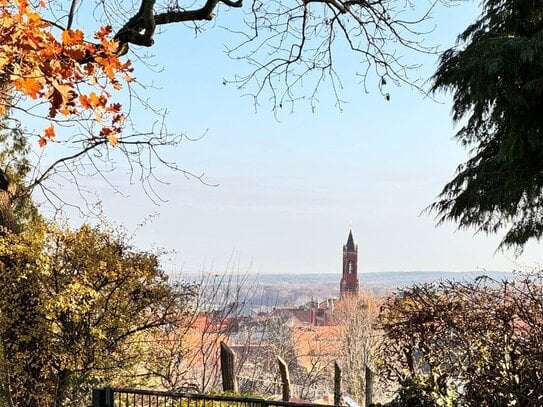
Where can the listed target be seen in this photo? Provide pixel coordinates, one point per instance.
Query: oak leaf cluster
(73, 76)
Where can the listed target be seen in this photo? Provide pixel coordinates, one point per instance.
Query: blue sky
(291, 185)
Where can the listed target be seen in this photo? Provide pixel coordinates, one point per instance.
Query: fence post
(369, 387)
(229, 382)
(337, 384)
(102, 397)
(285, 378)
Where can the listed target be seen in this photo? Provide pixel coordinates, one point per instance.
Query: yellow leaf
(113, 139)
(94, 99)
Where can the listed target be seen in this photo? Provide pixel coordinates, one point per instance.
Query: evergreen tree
(496, 76)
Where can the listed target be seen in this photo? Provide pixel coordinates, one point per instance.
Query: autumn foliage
(466, 343)
(76, 309)
(73, 76)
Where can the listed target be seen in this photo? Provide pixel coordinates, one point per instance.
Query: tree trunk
(369, 387)
(7, 219)
(337, 384)
(7, 193)
(5, 92)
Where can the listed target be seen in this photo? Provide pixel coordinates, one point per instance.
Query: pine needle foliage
(495, 74)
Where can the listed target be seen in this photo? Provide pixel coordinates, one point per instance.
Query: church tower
(349, 281)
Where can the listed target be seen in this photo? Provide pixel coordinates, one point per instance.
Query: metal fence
(118, 397)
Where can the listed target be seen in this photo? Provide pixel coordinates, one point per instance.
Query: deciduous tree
(356, 319)
(460, 343)
(187, 357)
(75, 308)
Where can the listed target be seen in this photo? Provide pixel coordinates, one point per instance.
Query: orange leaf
(42, 142)
(29, 86)
(49, 132)
(23, 5)
(85, 101)
(76, 53)
(72, 37)
(110, 72)
(103, 32)
(114, 107)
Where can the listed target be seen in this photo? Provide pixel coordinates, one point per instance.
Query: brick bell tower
(349, 281)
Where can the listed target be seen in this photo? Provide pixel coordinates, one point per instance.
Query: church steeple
(349, 281)
(350, 242)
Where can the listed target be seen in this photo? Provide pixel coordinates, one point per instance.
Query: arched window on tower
(350, 267)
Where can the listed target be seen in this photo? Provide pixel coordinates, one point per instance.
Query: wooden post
(229, 382)
(337, 384)
(369, 387)
(285, 378)
(102, 397)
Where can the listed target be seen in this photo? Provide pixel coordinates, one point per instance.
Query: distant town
(260, 324)
(313, 321)
(296, 290)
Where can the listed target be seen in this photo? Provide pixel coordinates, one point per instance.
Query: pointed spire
(350, 242)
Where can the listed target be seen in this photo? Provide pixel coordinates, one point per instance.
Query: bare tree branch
(145, 20)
